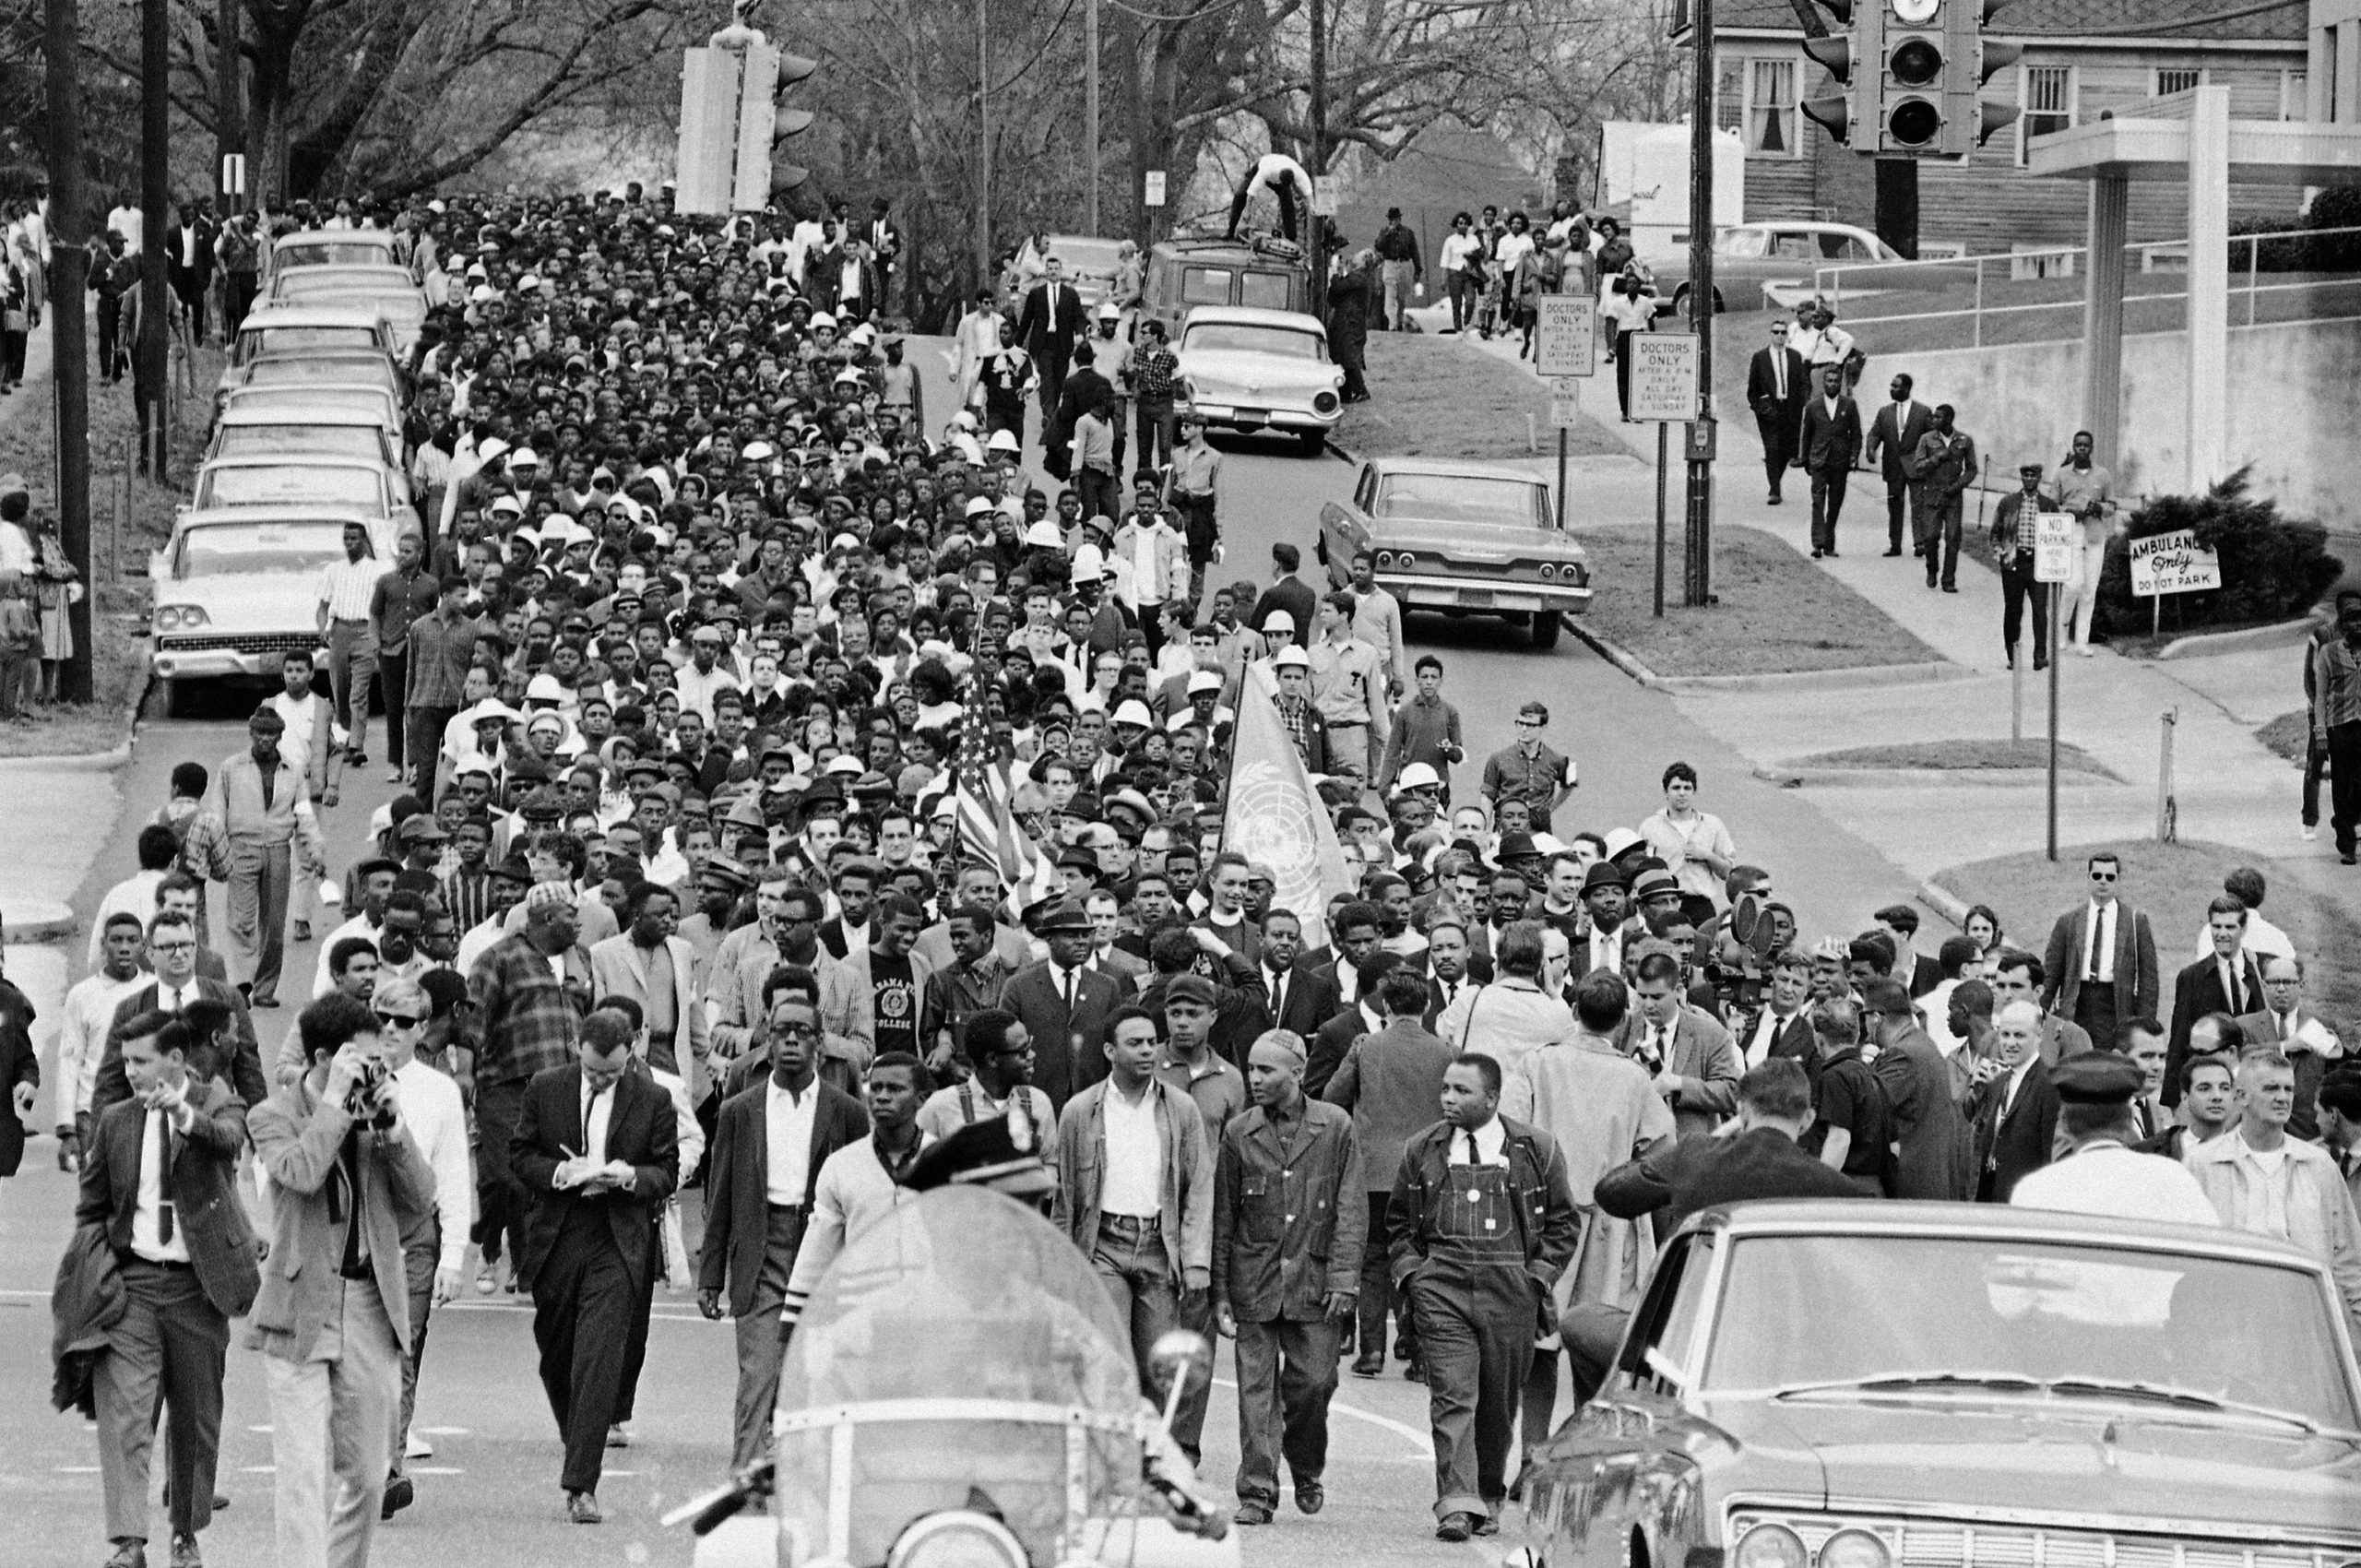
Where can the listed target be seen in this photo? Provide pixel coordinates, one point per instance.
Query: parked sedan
(1248, 369)
(334, 248)
(386, 290)
(236, 587)
(1861, 1384)
(1749, 259)
(1461, 538)
(362, 483)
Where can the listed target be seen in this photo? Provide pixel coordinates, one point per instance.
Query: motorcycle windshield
(965, 1295)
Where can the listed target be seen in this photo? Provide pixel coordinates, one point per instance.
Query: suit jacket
(1700, 1171)
(1310, 999)
(1391, 1082)
(738, 1183)
(1762, 388)
(1069, 1048)
(615, 971)
(298, 1138)
(1890, 447)
(2311, 1066)
(1936, 1157)
(1294, 596)
(831, 932)
(245, 1068)
(18, 1063)
(1830, 439)
(1081, 386)
(641, 1133)
(1127, 969)
(2137, 989)
(2197, 990)
(848, 1016)
(1707, 1058)
(2009, 1145)
(1329, 1047)
(200, 1181)
(1048, 333)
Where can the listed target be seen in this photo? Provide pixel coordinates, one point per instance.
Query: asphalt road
(489, 1495)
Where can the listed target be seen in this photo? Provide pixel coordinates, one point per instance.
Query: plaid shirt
(1152, 373)
(528, 1018)
(1292, 712)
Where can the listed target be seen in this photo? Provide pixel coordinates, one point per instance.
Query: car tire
(168, 697)
(1546, 625)
(1314, 442)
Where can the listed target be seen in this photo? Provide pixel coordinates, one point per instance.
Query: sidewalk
(2230, 788)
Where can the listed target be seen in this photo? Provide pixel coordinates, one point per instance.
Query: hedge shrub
(2273, 567)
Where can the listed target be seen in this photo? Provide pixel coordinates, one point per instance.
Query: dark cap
(2098, 1077)
(1000, 1152)
(1649, 885)
(1517, 846)
(514, 869)
(1604, 874)
(541, 805)
(722, 869)
(423, 830)
(267, 721)
(1188, 988)
(1067, 915)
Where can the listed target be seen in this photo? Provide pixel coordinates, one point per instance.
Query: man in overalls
(1482, 1220)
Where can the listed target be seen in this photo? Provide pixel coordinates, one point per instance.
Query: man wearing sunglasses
(435, 1242)
(2101, 967)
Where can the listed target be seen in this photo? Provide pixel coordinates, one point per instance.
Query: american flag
(988, 831)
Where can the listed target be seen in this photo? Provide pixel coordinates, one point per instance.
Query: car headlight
(1770, 1546)
(1854, 1549)
(1324, 403)
(179, 618)
(956, 1538)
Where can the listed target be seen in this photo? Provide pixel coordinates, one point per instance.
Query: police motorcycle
(960, 1393)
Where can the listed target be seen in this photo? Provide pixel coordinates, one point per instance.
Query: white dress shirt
(1487, 1145)
(437, 1120)
(146, 1224)
(788, 1126)
(1130, 1180)
(1767, 1030)
(2098, 950)
(598, 1110)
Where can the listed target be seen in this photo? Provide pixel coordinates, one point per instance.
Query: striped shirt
(2337, 684)
(348, 586)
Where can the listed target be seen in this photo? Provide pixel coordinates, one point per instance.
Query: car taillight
(1548, 572)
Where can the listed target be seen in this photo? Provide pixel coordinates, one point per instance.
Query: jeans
(423, 728)
(1130, 1259)
(1286, 1373)
(1462, 287)
(330, 1415)
(1941, 516)
(2017, 585)
(1155, 420)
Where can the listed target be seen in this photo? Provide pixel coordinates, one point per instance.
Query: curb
(1846, 678)
(1929, 778)
(2199, 645)
(1616, 654)
(1944, 902)
(96, 762)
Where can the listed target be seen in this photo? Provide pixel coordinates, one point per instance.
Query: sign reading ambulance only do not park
(2173, 563)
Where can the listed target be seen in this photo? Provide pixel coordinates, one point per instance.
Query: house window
(2176, 78)
(1755, 96)
(2046, 95)
(2295, 95)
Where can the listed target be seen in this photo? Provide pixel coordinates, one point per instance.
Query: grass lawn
(1959, 756)
(119, 607)
(2173, 883)
(1778, 613)
(1432, 398)
(2288, 735)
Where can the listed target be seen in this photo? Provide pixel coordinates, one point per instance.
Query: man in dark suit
(1894, 431)
(883, 237)
(1083, 386)
(1301, 998)
(2287, 1025)
(2101, 966)
(755, 1217)
(1782, 1026)
(1290, 593)
(1935, 1156)
(188, 262)
(596, 1147)
(159, 1177)
(1051, 322)
(1064, 1005)
(1832, 436)
(1673, 1181)
(857, 880)
(171, 948)
(2013, 1106)
(1777, 385)
(2227, 980)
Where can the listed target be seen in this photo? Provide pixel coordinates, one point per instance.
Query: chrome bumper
(1240, 416)
(1418, 592)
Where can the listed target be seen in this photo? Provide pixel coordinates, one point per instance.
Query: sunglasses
(400, 1021)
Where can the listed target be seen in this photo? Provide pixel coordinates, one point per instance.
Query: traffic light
(1834, 113)
(1969, 122)
(1910, 58)
(790, 121)
(730, 120)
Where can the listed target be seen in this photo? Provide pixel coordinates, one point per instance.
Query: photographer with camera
(348, 1179)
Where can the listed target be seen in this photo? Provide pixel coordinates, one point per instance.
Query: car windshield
(256, 341)
(964, 1295)
(330, 253)
(1083, 254)
(313, 399)
(1971, 1312)
(309, 283)
(275, 484)
(1742, 243)
(232, 549)
(1463, 498)
(301, 440)
(302, 369)
(1243, 338)
(401, 309)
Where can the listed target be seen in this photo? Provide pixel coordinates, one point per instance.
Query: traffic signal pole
(1697, 574)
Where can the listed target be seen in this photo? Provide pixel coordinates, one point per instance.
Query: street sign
(1153, 195)
(2172, 562)
(1569, 344)
(2056, 537)
(1565, 402)
(1663, 377)
(233, 173)
(1323, 196)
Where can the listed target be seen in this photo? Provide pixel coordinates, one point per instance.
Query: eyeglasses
(172, 947)
(400, 1021)
(2103, 876)
(796, 1031)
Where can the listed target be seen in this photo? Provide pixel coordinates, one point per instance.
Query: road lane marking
(77, 1469)
(1410, 1434)
(441, 1470)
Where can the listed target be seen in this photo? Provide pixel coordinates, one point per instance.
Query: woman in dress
(59, 587)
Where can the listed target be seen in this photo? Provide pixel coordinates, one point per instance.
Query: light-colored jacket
(1169, 561)
(616, 969)
(1506, 1020)
(849, 1010)
(2321, 1216)
(1187, 1203)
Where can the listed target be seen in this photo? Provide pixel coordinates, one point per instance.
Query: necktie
(2098, 942)
(1070, 989)
(1278, 996)
(2230, 987)
(160, 1153)
(1779, 373)
(1471, 1147)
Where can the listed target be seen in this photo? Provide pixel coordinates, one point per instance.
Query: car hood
(2030, 1455)
(1475, 544)
(1229, 367)
(259, 601)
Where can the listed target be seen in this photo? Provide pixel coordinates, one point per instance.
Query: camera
(360, 1102)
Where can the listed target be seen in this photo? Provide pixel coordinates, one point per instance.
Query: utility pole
(984, 147)
(1697, 575)
(1315, 227)
(155, 173)
(230, 108)
(68, 227)
(1090, 113)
